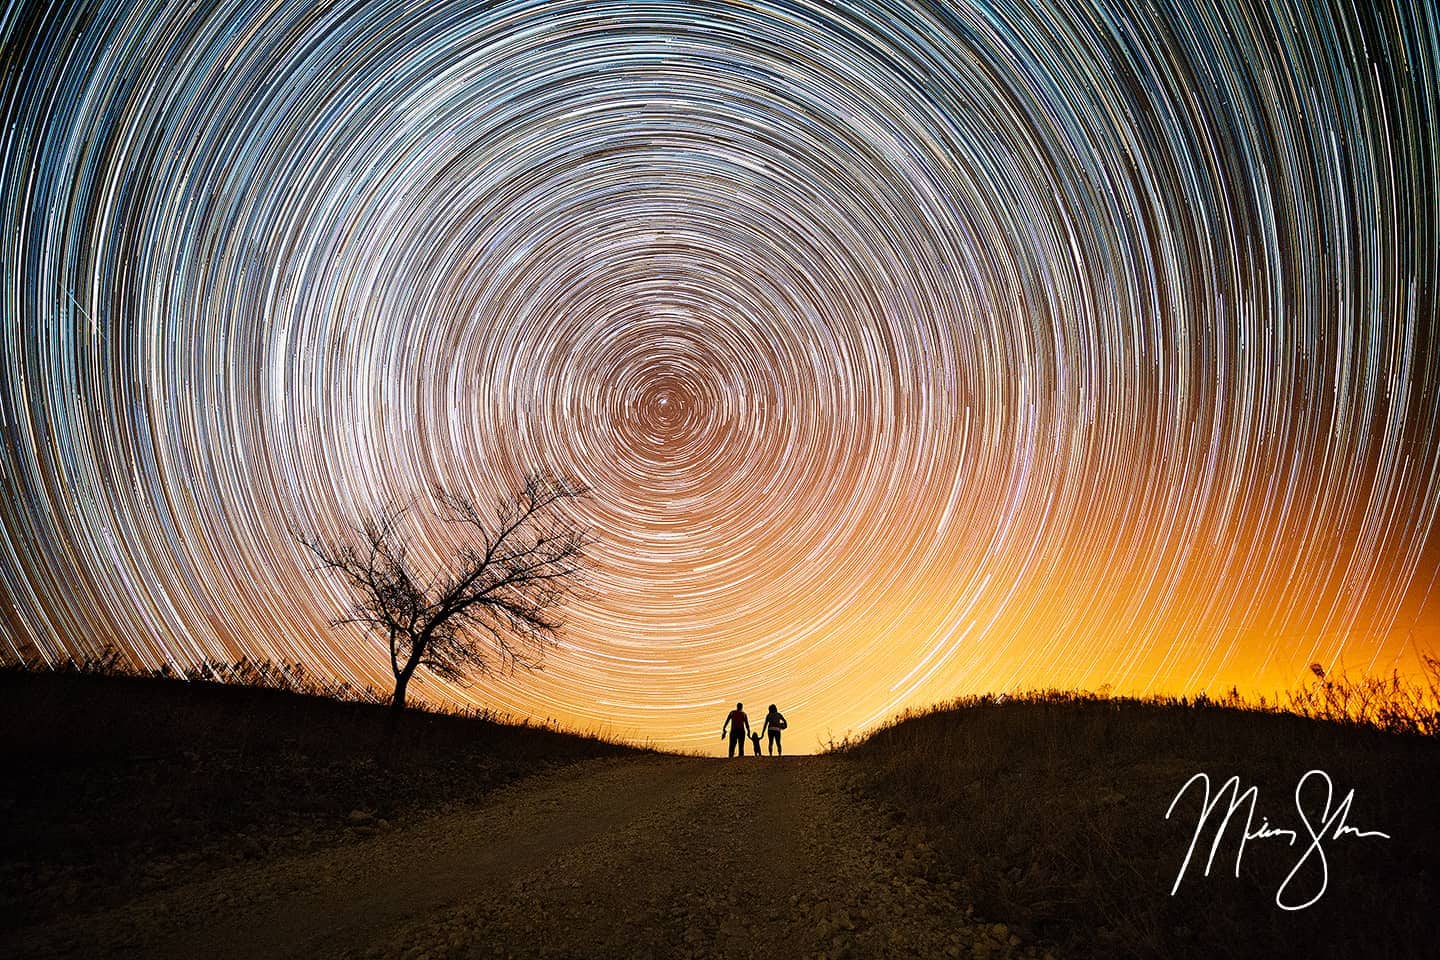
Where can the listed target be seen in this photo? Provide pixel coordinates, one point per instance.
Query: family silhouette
(737, 727)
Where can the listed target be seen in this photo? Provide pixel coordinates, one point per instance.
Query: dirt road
(656, 857)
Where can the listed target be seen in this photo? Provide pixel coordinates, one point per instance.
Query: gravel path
(655, 857)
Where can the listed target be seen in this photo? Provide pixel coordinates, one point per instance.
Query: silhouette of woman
(774, 723)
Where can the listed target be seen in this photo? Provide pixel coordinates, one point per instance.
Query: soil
(655, 856)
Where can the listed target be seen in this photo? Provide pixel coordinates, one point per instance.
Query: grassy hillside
(1050, 811)
(119, 782)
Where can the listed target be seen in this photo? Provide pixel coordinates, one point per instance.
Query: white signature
(1331, 826)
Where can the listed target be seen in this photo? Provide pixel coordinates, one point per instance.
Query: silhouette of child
(755, 739)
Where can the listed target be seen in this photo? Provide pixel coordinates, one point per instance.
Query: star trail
(909, 349)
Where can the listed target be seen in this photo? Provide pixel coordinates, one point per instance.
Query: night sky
(910, 349)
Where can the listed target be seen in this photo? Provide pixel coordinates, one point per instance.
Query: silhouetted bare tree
(497, 597)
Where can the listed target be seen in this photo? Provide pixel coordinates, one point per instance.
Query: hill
(119, 784)
(1050, 811)
(161, 818)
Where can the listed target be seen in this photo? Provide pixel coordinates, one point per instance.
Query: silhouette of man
(739, 725)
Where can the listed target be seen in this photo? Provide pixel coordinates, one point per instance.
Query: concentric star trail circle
(909, 349)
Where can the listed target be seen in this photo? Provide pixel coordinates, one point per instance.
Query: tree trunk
(397, 702)
(402, 680)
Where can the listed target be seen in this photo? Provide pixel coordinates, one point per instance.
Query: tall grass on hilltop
(1392, 704)
(1049, 809)
(285, 675)
(265, 674)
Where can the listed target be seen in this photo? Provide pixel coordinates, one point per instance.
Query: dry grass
(287, 675)
(1393, 704)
